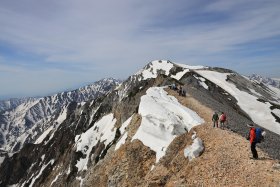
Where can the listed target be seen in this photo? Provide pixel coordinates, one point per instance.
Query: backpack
(259, 137)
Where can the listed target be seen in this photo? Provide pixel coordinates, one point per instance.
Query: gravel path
(237, 119)
(225, 161)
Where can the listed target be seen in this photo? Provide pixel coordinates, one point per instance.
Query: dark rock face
(14, 169)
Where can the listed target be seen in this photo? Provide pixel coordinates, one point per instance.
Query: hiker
(180, 91)
(184, 93)
(215, 119)
(252, 137)
(255, 135)
(174, 86)
(223, 119)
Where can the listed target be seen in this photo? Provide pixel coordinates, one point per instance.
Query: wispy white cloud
(118, 37)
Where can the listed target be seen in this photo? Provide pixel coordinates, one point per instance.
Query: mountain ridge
(18, 121)
(266, 80)
(95, 144)
(13, 103)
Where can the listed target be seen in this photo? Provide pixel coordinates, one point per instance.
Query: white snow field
(152, 71)
(180, 74)
(163, 118)
(259, 112)
(165, 66)
(191, 67)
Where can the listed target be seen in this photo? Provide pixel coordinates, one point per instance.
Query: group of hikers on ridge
(216, 119)
(180, 90)
(255, 135)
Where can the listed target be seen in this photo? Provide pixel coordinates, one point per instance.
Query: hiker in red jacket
(252, 137)
(223, 119)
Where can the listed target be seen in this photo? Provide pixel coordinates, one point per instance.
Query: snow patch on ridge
(44, 135)
(201, 82)
(123, 133)
(58, 121)
(163, 118)
(180, 74)
(125, 124)
(102, 131)
(41, 171)
(276, 112)
(191, 67)
(62, 116)
(194, 150)
(121, 141)
(155, 66)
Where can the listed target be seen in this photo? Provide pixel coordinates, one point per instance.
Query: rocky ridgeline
(27, 121)
(13, 103)
(75, 153)
(265, 80)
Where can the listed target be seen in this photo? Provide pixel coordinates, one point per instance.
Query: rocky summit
(144, 133)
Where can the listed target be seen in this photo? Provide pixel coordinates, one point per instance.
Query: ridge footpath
(224, 162)
(226, 159)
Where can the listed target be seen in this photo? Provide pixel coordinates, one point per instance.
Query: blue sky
(51, 46)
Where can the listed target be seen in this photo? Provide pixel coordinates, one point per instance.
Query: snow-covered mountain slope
(13, 103)
(159, 67)
(249, 98)
(153, 70)
(138, 129)
(258, 101)
(30, 119)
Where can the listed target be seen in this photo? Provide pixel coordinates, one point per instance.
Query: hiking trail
(226, 158)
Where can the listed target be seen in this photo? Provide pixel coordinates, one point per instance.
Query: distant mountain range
(275, 82)
(13, 103)
(24, 120)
